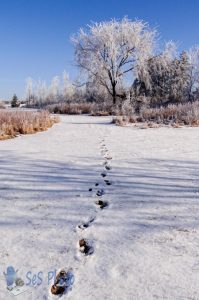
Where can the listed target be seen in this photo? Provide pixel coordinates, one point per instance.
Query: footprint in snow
(103, 174)
(101, 204)
(104, 152)
(108, 167)
(100, 193)
(86, 247)
(63, 282)
(104, 149)
(107, 182)
(86, 224)
(103, 146)
(108, 157)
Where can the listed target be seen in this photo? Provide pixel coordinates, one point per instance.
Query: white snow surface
(146, 242)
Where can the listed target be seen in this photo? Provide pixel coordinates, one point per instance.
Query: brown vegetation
(174, 115)
(13, 123)
(70, 108)
(78, 108)
(181, 114)
(2, 105)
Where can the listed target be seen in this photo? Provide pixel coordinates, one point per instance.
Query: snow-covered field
(146, 242)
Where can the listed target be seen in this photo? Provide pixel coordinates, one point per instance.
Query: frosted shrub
(185, 114)
(127, 108)
(175, 115)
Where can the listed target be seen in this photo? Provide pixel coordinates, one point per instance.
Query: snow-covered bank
(145, 242)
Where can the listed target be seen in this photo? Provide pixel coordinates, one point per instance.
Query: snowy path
(146, 242)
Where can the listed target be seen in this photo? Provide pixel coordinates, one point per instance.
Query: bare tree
(109, 51)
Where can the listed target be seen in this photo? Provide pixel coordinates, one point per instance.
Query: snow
(145, 242)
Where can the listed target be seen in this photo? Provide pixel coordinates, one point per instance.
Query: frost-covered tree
(29, 90)
(194, 73)
(41, 92)
(179, 84)
(54, 89)
(95, 92)
(166, 77)
(153, 81)
(68, 87)
(109, 51)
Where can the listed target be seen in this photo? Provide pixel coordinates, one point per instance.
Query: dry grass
(181, 114)
(2, 105)
(99, 113)
(13, 123)
(174, 115)
(124, 120)
(102, 110)
(94, 109)
(71, 108)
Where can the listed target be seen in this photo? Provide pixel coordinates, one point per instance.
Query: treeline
(121, 65)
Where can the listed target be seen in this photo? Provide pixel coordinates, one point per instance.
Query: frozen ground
(146, 242)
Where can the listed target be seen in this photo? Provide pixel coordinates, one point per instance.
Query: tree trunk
(114, 93)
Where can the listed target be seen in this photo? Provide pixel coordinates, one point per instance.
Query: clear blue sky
(35, 34)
